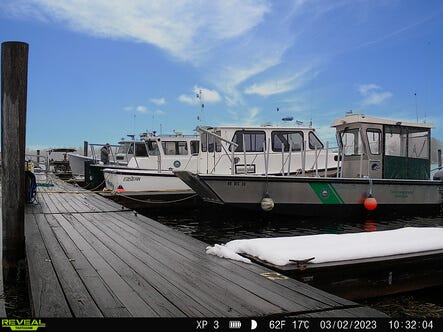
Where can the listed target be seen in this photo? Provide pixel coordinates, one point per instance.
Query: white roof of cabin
(361, 118)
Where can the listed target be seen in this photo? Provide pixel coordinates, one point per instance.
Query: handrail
(235, 145)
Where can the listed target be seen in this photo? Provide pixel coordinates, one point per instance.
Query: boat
(149, 175)
(119, 155)
(265, 149)
(220, 151)
(384, 168)
(58, 162)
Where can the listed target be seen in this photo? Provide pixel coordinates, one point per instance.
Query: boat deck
(91, 257)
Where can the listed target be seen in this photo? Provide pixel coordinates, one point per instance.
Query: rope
(155, 202)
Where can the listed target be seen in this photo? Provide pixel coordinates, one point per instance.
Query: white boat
(151, 174)
(119, 155)
(384, 168)
(221, 151)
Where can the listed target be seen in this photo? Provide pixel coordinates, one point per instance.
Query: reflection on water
(216, 225)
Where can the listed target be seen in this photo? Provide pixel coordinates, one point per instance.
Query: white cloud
(230, 40)
(139, 108)
(158, 101)
(205, 95)
(373, 94)
(277, 86)
(185, 29)
(252, 116)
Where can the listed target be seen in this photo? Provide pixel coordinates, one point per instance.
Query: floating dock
(91, 257)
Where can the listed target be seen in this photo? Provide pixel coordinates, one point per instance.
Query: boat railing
(286, 157)
(95, 153)
(233, 146)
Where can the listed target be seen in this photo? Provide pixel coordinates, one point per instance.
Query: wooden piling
(439, 157)
(14, 73)
(85, 148)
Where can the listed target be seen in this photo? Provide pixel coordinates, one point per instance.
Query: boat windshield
(152, 148)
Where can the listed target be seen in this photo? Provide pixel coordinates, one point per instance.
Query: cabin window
(314, 141)
(194, 147)
(174, 148)
(396, 141)
(140, 150)
(253, 140)
(374, 139)
(418, 144)
(152, 148)
(124, 148)
(208, 142)
(351, 142)
(286, 138)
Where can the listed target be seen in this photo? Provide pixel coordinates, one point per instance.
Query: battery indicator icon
(234, 324)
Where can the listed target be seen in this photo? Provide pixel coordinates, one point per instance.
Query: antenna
(202, 105)
(416, 108)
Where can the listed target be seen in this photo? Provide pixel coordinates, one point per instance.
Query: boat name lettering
(402, 193)
(236, 183)
(131, 178)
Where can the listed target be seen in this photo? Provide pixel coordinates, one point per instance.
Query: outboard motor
(438, 175)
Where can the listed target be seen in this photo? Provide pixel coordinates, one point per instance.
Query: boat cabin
(266, 149)
(383, 149)
(129, 148)
(166, 152)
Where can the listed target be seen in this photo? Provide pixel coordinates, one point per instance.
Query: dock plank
(45, 292)
(120, 263)
(211, 266)
(166, 262)
(130, 299)
(157, 232)
(76, 294)
(98, 289)
(151, 295)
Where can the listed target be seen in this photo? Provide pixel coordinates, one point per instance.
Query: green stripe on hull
(326, 193)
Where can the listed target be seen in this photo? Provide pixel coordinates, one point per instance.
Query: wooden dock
(91, 257)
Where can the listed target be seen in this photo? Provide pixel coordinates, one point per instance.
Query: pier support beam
(85, 148)
(14, 76)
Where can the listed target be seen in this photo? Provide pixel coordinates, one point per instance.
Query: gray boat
(384, 167)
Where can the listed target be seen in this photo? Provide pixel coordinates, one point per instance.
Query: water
(214, 224)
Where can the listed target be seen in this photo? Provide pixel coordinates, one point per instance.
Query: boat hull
(138, 182)
(305, 196)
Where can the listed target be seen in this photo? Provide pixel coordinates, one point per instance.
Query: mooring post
(85, 148)
(14, 76)
(439, 158)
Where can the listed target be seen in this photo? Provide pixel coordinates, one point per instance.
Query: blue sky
(102, 69)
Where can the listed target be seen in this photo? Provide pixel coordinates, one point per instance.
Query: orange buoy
(120, 189)
(370, 203)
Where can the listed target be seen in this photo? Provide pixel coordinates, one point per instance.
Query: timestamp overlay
(355, 324)
(227, 324)
(320, 324)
